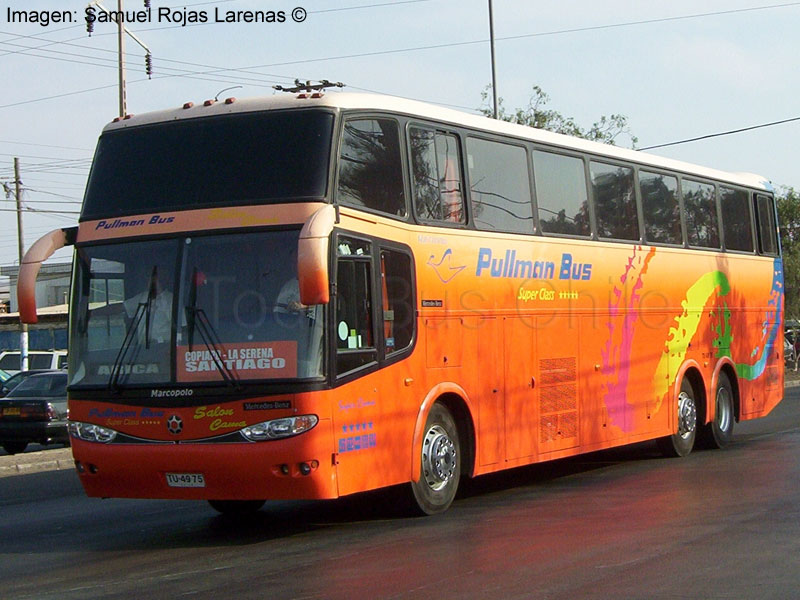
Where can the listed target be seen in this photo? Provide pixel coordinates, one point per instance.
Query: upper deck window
(614, 201)
(767, 229)
(662, 213)
(701, 214)
(370, 168)
(561, 195)
(499, 186)
(436, 170)
(736, 222)
(244, 158)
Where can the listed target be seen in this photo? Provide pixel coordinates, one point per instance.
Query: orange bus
(317, 294)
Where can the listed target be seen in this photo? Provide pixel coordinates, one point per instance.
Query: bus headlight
(91, 433)
(279, 428)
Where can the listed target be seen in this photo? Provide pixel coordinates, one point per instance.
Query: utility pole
(123, 108)
(122, 31)
(23, 335)
(494, 70)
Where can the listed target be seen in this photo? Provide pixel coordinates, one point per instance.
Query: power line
(37, 211)
(45, 145)
(215, 70)
(327, 10)
(527, 35)
(713, 135)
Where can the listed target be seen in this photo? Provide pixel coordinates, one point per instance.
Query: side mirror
(312, 257)
(41, 250)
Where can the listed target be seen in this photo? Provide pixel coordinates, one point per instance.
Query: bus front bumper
(299, 467)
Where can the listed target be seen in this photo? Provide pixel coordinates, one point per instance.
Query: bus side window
(662, 212)
(736, 223)
(370, 168)
(702, 229)
(614, 201)
(436, 170)
(355, 343)
(398, 301)
(499, 186)
(561, 196)
(767, 229)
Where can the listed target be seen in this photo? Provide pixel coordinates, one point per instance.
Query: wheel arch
(457, 401)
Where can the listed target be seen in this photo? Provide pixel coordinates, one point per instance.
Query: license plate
(11, 411)
(187, 480)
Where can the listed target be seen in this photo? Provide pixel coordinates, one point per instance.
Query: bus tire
(236, 507)
(719, 432)
(681, 442)
(440, 463)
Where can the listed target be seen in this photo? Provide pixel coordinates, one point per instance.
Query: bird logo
(445, 269)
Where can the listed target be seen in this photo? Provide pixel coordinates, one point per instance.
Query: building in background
(52, 292)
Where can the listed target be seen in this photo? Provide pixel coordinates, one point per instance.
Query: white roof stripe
(376, 102)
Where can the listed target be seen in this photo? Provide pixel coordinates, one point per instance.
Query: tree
(789, 220)
(606, 129)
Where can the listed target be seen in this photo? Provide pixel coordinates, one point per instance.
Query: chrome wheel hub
(687, 415)
(438, 458)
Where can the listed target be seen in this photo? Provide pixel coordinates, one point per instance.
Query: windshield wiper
(143, 310)
(126, 344)
(196, 319)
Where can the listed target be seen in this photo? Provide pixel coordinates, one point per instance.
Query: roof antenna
(225, 90)
(308, 87)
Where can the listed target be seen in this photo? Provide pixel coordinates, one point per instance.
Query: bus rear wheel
(719, 432)
(236, 507)
(681, 442)
(440, 463)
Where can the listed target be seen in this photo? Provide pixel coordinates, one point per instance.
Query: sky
(676, 70)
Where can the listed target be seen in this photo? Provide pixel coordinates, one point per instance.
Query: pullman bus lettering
(515, 268)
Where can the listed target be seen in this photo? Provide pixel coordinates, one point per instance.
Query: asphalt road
(615, 524)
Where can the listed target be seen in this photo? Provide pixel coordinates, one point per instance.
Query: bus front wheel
(681, 442)
(440, 462)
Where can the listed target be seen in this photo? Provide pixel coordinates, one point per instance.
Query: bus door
(521, 416)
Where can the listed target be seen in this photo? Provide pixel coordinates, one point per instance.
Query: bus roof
(422, 110)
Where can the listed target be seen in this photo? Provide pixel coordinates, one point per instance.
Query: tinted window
(614, 201)
(246, 158)
(370, 171)
(435, 164)
(398, 303)
(355, 344)
(767, 229)
(701, 214)
(662, 213)
(499, 186)
(561, 196)
(736, 223)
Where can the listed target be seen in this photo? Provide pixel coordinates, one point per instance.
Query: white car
(37, 359)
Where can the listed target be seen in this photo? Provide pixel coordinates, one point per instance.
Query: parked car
(35, 412)
(14, 380)
(4, 376)
(37, 359)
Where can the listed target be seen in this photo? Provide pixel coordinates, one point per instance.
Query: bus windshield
(245, 158)
(215, 308)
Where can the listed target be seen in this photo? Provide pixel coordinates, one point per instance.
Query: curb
(36, 462)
